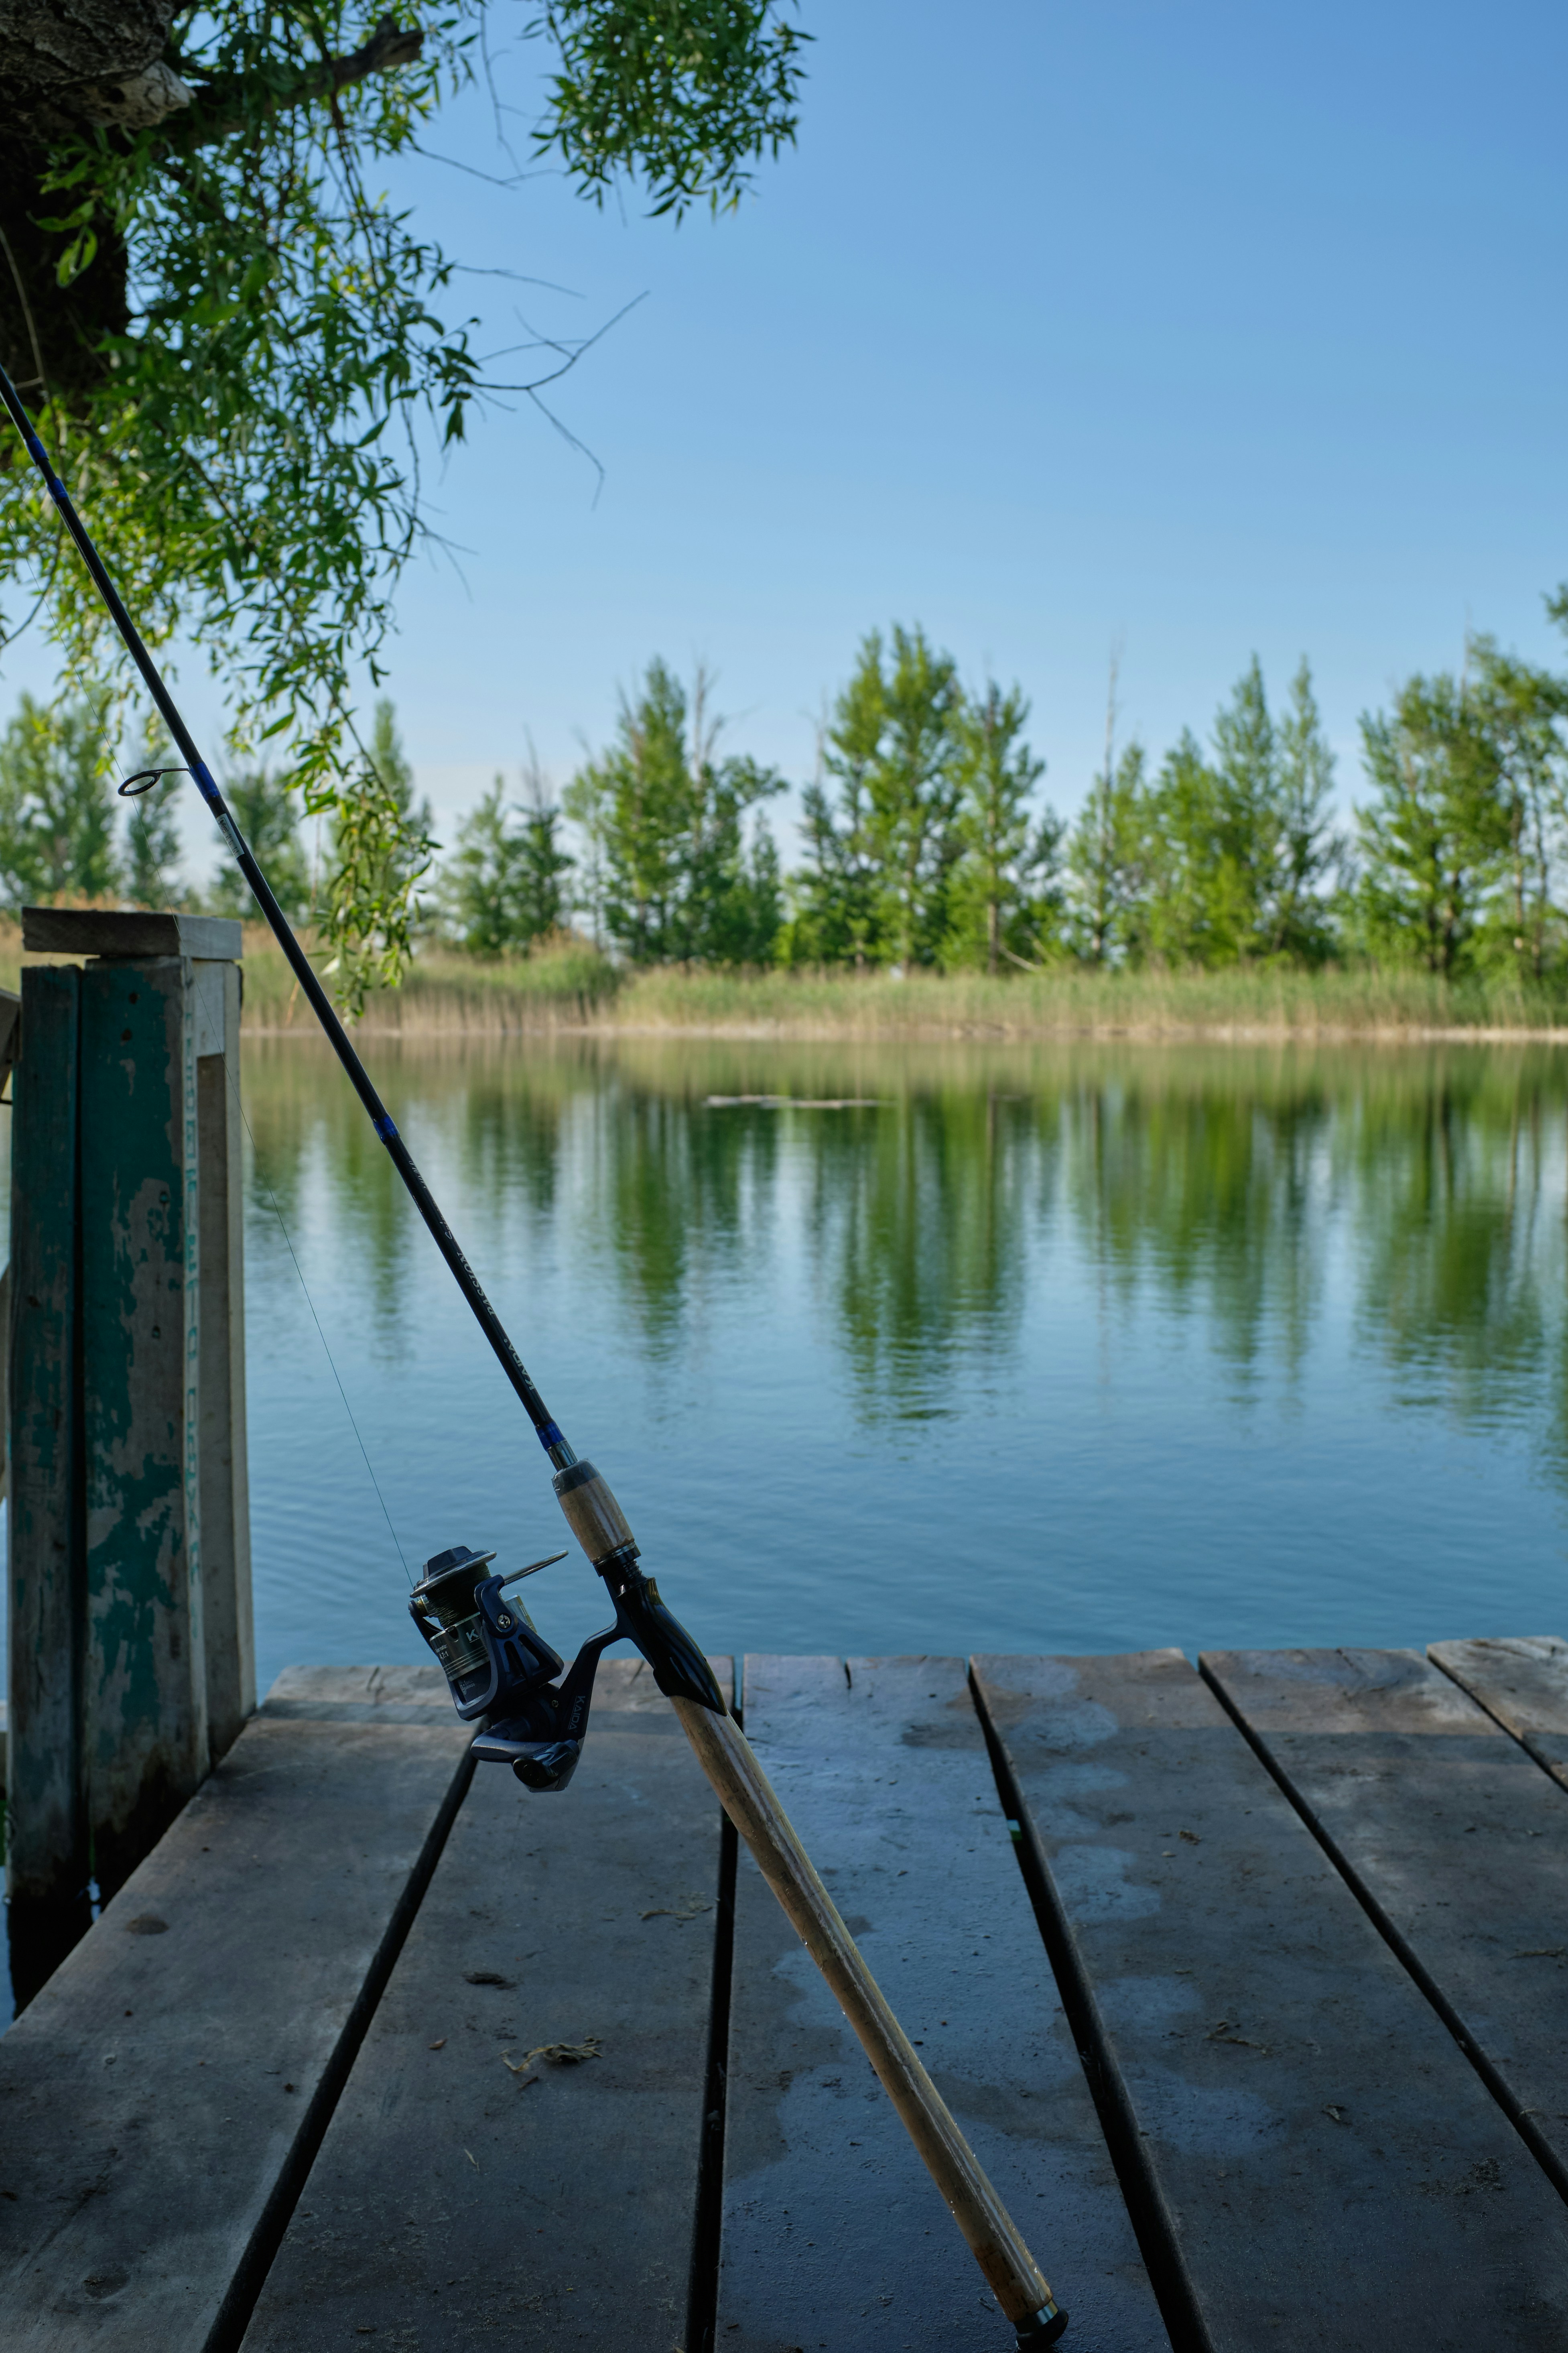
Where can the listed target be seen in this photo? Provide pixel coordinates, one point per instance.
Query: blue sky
(1198, 330)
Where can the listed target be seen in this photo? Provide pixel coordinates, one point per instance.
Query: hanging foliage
(234, 345)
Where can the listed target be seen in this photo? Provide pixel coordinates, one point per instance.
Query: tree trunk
(99, 65)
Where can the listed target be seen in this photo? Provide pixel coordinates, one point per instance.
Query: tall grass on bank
(575, 990)
(568, 984)
(1240, 1003)
(562, 985)
(571, 987)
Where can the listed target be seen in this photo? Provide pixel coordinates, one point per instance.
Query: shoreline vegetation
(937, 898)
(570, 986)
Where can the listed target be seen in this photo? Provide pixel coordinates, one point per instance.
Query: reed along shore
(570, 986)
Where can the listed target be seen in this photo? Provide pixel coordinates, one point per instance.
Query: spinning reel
(499, 1667)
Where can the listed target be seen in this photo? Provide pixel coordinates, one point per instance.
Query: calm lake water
(1060, 1348)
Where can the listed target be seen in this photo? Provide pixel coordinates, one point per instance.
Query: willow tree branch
(40, 379)
(228, 103)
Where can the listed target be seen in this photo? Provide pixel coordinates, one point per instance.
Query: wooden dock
(1265, 2043)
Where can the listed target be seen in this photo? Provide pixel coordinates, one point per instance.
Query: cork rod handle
(751, 1804)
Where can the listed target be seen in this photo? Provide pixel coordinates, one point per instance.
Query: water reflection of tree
(1459, 1206)
(510, 1127)
(485, 1124)
(679, 1193)
(1198, 1183)
(919, 1213)
(1223, 1185)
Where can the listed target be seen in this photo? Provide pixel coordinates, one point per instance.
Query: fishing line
(321, 1334)
(502, 1671)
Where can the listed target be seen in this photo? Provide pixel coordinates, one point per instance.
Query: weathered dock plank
(1452, 1836)
(1329, 2166)
(1523, 1679)
(833, 2235)
(160, 2098)
(468, 2193)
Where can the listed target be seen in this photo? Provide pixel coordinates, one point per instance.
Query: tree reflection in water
(1118, 1270)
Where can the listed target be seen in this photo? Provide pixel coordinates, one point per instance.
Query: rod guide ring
(143, 781)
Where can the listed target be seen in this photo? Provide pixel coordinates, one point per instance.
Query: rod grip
(750, 1800)
(593, 1515)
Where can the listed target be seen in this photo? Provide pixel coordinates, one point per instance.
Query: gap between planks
(1324, 2159)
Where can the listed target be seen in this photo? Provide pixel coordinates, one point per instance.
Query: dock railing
(131, 1648)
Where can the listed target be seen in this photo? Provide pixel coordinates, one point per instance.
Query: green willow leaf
(256, 341)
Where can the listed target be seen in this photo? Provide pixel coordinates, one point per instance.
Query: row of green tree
(67, 834)
(1456, 858)
(924, 840)
(926, 844)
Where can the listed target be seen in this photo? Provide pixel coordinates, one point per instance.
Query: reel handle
(751, 1803)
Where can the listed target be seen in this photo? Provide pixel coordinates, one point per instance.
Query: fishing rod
(500, 1670)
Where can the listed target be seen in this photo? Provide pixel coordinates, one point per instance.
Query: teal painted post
(46, 1862)
(10, 1032)
(147, 1744)
(228, 1617)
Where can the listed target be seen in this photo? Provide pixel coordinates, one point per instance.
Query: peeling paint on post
(145, 1652)
(47, 1857)
(225, 1491)
(192, 1229)
(132, 1651)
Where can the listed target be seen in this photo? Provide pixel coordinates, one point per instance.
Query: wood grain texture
(10, 1037)
(161, 2093)
(133, 931)
(1452, 1836)
(1522, 1681)
(145, 1707)
(1328, 2165)
(832, 2236)
(228, 1631)
(748, 1798)
(10, 1031)
(46, 1846)
(456, 2202)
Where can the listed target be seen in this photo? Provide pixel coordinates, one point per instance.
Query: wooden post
(10, 1036)
(47, 1860)
(141, 1343)
(228, 1617)
(160, 1634)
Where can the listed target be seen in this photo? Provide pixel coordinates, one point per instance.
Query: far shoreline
(570, 989)
(431, 1024)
